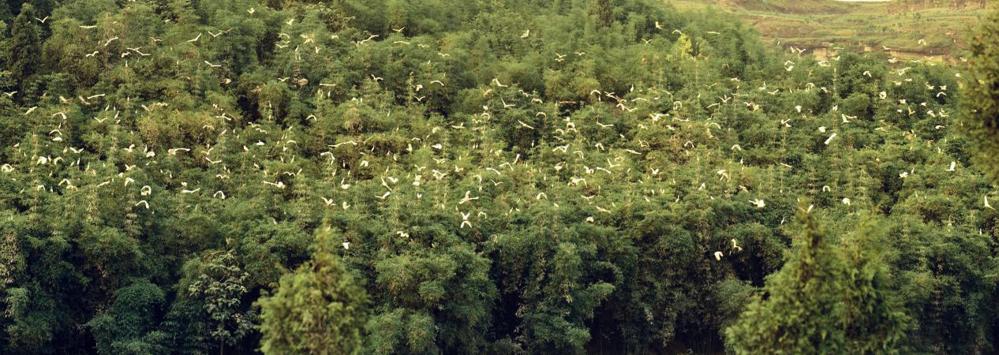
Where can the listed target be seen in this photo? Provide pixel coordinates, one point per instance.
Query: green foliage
(219, 286)
(823, 301)
(129, 326)
(605, 176)
(318, 309)
(980, 105)
(24, 47)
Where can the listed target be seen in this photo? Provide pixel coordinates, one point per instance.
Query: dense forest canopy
(516, 176)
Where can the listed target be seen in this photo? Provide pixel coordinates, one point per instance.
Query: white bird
(467, 198)
(759, 203)
(346, 245)
(173, 151)
(719, 255)
(953, 166)
(385, 195)
(143, 202)
(195, 39)
(846, 201)
(526, 34)
(464, 220)
(831, 137)
(328, 201)
(279, 184)
(213, 65)
(138, 51)
(42, 20)
(735, 245)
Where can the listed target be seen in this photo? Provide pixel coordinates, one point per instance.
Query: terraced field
(934, 33)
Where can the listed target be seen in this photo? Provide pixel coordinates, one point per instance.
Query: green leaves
(823, 301)
(482, 176)
(980, 107)
(318, 309)
(219, 286)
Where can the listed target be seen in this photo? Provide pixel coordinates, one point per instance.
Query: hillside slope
(479, 176)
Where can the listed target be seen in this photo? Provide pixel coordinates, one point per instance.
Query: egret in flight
(830, 139)
(464, 220)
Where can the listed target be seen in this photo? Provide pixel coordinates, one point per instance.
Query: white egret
(464, 220)
(830, 139)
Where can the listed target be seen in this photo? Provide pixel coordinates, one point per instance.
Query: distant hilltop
(835, 6)
(930, 29)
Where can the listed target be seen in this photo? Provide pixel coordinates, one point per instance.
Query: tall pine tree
(823, 301)
(24, 49)
(318, 309)
(981, 94)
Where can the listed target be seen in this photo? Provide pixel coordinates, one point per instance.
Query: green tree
(981, 96)
(602, 12)
(821, 302)
(25, 47)
(129, 325)
(220, 286)
(318, 309)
